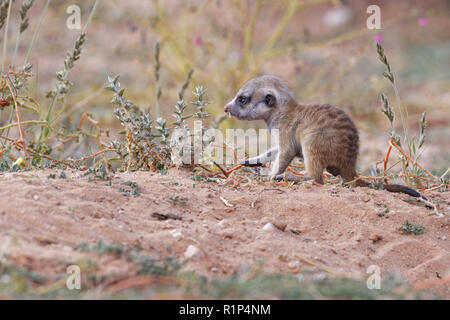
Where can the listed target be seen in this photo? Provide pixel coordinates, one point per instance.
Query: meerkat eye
(269, 100)
(243, 100)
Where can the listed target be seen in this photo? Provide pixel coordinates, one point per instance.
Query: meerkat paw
(287, 178)
(278, 177)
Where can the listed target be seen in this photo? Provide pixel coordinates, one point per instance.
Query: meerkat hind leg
(314, 169)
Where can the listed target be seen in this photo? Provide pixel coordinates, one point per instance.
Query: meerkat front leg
(261, 159)
(284, 158)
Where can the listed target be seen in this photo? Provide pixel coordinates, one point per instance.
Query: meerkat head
(259, 98)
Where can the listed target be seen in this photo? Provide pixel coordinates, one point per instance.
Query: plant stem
(19, 36)
(33, 40)
(91, 15)
(403, 113)
(44, 133)
(5, 37)
(11, 125)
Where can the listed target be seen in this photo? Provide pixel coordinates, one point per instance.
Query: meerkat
(322, 135)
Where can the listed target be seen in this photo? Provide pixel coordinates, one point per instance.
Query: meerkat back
(329, 140)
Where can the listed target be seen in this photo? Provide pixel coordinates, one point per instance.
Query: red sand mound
(341, 230)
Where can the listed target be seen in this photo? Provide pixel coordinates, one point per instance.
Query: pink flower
(422, 21)
(198, 41)
(378, 38)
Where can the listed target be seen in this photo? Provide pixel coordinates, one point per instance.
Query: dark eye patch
(269, 100)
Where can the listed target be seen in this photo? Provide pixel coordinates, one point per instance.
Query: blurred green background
(322, 48)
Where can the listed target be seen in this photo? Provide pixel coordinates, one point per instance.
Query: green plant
(97, 172)
(14, 89)
(178, 200)
(147, 144)
(145, 148)
(135, 189)
(409, 228)
(409, 168)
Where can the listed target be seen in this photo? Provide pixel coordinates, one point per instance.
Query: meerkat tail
(398, 188)
(403, 189)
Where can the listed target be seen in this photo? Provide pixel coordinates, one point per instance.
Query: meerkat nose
(226, 109)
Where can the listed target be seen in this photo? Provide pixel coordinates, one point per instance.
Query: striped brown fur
(322, 134)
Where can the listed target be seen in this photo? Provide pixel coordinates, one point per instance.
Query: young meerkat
(322, 134)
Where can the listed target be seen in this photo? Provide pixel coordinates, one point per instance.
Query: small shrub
(408, 228)
(148, 145)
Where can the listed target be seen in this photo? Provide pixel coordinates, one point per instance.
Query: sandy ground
(339, 229)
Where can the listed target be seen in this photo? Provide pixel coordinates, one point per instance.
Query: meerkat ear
(270, 100)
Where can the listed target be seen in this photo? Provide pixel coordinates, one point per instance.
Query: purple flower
(422, 21)
(378, 38)
(198, 41)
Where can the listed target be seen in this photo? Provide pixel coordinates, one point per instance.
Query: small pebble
(280, 225)
(221, 223)
(36, 197)
(294, 264)
(375, 237)
(177, 235)
(191, 251)
(269, 227)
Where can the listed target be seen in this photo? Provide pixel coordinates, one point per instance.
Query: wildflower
(378, 38)
(198, 41)
(422, 21)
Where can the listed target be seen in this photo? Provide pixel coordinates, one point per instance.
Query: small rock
(35, 197)
(177, 235)
(283, 257)
(191, 251)
(214, 270)
(294, 264)
(375, 237)
(444, 238)
(365, 198)
(221, 223)
(280, 225)
(269, 227)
